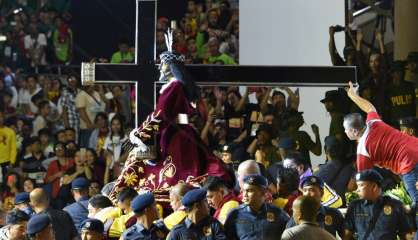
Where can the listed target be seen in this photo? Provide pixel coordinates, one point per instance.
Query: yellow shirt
(108, 213)
(331, 198)
(7, 145)
(175, 218)
(280, 202)
(226, 208)
(118, 225)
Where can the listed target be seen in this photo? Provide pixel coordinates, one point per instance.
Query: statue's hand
(135, 139)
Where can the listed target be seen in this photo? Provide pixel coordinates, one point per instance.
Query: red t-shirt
(53, 168)
(386, 147)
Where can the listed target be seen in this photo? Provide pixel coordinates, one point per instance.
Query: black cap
(226, 148)
(193, 196)
(256, 180)
(80, 183)
(370, 175)
(22, 197)
(142, 201)
(312, 180)
(92, 225)
(37, 223)
(331, 96)
(16, 216)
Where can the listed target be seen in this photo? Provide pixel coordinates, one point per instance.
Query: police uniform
(138, 231)
(384, 219)
(79, 210)
(268, 223)
(37, 223)
(328, 218)
(207, 228)
(24, 198)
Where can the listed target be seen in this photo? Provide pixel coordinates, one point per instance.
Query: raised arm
(362, 103)
(335, 57)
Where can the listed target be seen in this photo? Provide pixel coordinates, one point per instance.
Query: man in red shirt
(381, 145)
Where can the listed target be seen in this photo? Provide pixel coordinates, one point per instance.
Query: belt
(182, 119)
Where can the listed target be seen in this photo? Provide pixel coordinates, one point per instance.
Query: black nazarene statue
(183, 156)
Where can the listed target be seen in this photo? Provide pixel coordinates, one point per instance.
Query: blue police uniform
(24, 198)
(79, 210)
(208, 228)
(328, 218)
(384, 218)
(268, 223)
(138, 231)
(391, 219)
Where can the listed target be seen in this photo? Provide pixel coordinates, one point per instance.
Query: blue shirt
(208, 228)
(392, 219)
(138, 232)
(328, 218)
(268, 223)
(78, 211)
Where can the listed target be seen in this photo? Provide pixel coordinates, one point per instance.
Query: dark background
(98, 25)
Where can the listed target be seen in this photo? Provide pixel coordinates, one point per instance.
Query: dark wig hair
(179, 72)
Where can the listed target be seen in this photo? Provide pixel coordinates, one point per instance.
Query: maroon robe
(184, 156)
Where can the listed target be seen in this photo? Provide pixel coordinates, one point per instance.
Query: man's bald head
(39, 198)
(248, 167)
(305, 208)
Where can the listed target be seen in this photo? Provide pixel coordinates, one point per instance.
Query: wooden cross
(144, 72)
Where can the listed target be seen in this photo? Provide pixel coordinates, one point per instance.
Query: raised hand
(315, 129)
(351, 90)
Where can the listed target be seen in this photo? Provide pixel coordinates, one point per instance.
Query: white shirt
(38, 43)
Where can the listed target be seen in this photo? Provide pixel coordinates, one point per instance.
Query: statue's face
(164, 72)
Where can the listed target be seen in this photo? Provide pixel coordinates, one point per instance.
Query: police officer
(79, 210)
(22, 203)
(40, 228)
(409, 126)
(92, 229)
(146, 214)
(198, 223)
(375, 216)
(255, 219)
(15, 229)
(328, 218)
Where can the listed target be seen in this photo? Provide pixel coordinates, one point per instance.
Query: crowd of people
(62, 145)
(208, 34)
